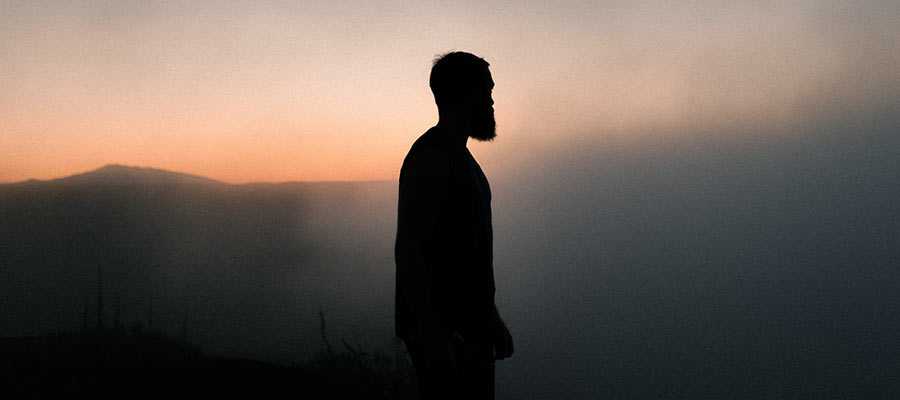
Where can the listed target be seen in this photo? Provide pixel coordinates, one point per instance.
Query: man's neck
(457, 133)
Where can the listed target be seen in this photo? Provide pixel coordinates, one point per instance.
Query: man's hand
(503, 342)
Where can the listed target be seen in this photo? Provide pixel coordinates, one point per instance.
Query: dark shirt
(444, 245)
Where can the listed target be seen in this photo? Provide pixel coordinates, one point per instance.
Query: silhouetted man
(445, 311)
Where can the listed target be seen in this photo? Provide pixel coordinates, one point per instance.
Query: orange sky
(276, 91)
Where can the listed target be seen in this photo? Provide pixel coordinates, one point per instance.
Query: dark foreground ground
(109, 364)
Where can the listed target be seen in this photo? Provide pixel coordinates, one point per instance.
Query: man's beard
(484, 127)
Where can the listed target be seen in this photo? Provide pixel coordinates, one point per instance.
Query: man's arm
(424, 208)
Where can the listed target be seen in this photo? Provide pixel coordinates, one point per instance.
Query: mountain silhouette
(239, 267)
(117, 173)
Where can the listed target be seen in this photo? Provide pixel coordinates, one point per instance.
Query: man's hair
(455, 74)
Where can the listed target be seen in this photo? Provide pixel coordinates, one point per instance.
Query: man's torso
(466, 284)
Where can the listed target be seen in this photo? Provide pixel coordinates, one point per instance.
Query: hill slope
(228, 261)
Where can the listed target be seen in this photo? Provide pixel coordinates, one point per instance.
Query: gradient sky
(283, 90)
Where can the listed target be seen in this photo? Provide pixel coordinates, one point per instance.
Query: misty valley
(722, 266)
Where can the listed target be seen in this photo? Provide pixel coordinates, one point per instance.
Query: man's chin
(485, 135)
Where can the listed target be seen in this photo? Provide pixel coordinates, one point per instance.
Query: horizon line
(188, 174)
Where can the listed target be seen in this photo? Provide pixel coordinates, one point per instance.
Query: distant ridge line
(125, 171)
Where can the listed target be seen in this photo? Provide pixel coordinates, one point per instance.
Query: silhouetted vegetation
(139, 363)
(354, 371)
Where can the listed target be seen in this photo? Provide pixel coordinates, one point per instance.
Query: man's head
(462, 84)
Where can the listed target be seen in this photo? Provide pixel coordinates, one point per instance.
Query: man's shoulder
(428, 143)
(427, 156)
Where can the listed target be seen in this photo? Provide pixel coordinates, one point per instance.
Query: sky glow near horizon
(277, 91)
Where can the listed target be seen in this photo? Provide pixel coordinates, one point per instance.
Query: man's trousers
(471, 377)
